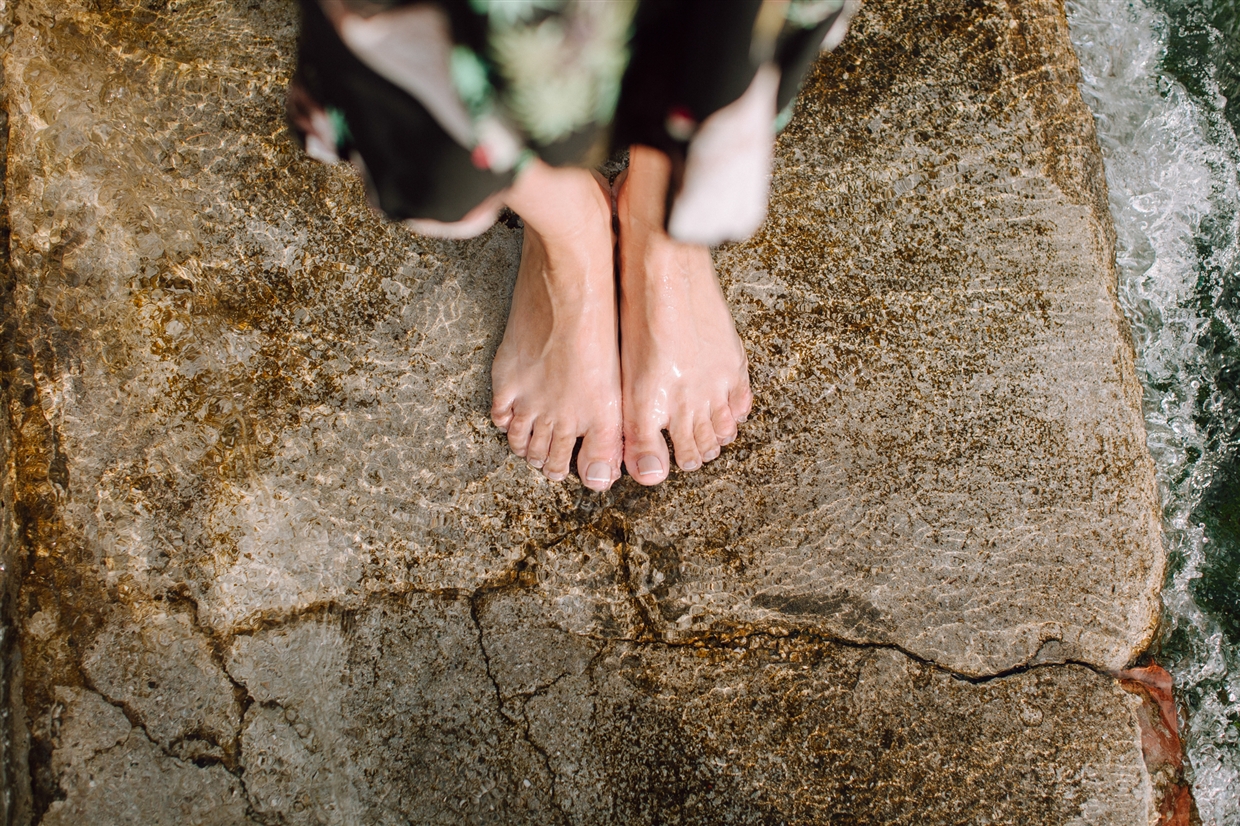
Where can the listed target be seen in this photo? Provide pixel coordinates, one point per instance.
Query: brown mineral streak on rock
(1160, 743)
(279, 567)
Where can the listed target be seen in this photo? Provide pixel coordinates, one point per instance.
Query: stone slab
(451, 726)
(421, 710)
(269, 399)
(269, 524)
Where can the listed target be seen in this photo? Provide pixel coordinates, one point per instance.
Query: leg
(683, 365)
(556, 376)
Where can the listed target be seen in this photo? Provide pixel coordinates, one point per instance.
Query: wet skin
(556, 375)
(683, 367)
(573, 364)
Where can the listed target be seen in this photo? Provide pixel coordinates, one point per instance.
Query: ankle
(560, 204)
(642, 203)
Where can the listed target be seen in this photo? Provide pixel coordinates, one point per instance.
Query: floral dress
(441, 104)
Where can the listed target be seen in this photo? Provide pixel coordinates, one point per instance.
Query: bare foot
(556, 376)
(683, 367)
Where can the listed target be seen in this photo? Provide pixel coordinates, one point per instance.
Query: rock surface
(279, 558)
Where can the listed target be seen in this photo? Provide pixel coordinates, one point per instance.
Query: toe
(740, 401)
(560, 454)
(501, 414)
(724, 423)
(540, 443)
(598, 461)
(645, 456)
(707, 443)
(519, 435)
(684, 442)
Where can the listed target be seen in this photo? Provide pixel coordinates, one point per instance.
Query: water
(1163, 78)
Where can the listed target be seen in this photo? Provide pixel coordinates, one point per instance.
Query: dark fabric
(688, 59)
(795, 53)
(416, 169)
(691, 56)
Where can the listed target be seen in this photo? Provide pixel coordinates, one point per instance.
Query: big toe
(501, 414)
(598, 461)
(645, 456)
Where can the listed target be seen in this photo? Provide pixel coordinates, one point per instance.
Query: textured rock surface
(279, 557)
(112, 773)
(14, 781)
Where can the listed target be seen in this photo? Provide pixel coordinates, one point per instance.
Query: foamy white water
(1171, 164)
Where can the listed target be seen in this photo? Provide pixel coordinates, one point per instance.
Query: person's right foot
(556, 375)
(683, 367)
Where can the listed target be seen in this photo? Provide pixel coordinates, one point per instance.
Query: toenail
(649, 466)
(598, 472)
(712, 454)
(556, 477)
(694, 465)
(535, 463)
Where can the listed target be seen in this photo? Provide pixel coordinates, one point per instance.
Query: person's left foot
(682, 365)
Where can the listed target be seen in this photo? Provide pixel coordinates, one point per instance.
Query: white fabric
(835, 34)
(321, 138)
(480, 219)
(728, 168)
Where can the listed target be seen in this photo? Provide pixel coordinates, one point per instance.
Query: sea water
(1163, 79)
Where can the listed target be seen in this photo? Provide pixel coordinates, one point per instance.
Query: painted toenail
(712, 454)
(598, 472)
(649, 466)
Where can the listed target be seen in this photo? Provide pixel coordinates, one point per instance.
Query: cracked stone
(156, 665)
(413, 728)
(296, 751)
(252, 458)
(111, 773)
(525, 650)
(429, 735)
(288, 778)
(560, 722)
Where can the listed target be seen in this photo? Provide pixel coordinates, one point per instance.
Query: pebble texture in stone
(282, 569)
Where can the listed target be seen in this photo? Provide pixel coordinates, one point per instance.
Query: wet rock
(756, 730)
(163, 672)
(273, 400)
(429, 734)
(810, 734)
(285, 776)
(526, 651)
(266, 517)
(111, 773)
(297, 749)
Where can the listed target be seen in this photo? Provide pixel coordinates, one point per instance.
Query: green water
(1203, 53)
(1203, 49)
